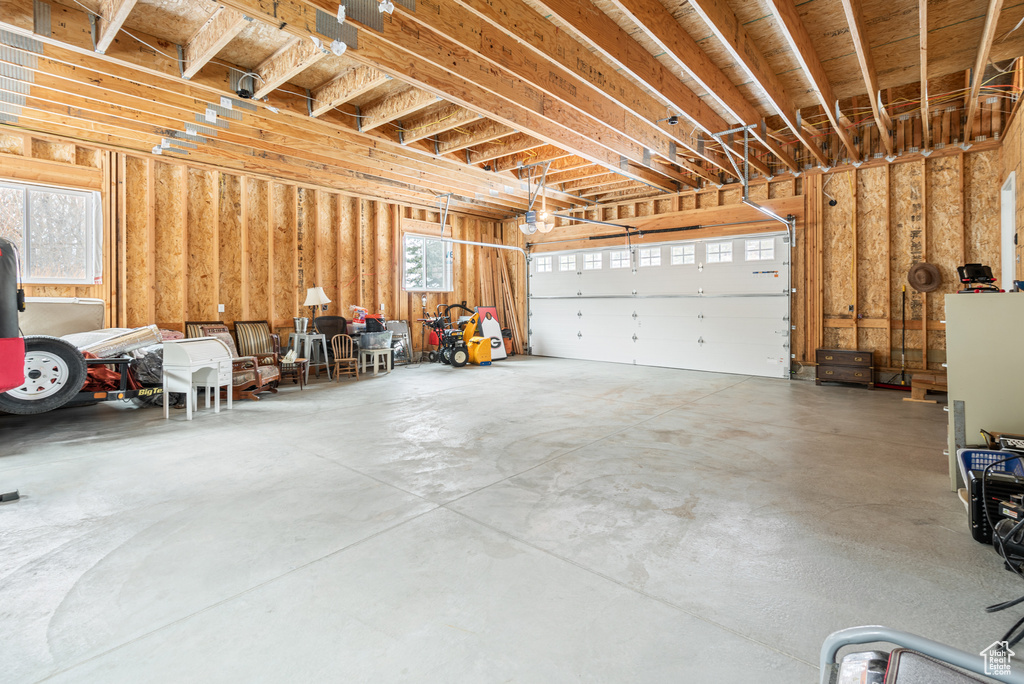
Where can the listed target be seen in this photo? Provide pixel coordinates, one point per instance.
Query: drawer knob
(828, 358)
(859, 375)
(858, 358)
(828, 372)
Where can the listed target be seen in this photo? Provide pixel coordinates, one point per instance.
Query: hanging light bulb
(341, 14)
(338, 47)
(386, 7)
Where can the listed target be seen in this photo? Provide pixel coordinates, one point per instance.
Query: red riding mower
(40, 373)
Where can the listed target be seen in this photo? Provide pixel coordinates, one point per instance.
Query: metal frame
(877, 633)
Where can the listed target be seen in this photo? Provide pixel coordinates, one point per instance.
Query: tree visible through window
(58, 232)
(428, 264)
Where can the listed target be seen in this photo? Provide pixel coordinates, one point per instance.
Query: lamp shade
(315, 296)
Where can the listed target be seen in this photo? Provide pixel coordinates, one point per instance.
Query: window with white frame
(567, 262)
(619, 259)
(761, 250)
(58, 232)
(683, 254)
(543, 264)
(650, 256)
(428, 264)
(592, 262)
(719, 252)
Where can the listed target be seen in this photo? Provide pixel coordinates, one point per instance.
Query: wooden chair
(341, 347)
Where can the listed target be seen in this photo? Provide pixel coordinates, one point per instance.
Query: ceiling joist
(349, 85)
(867, 69)
(984, 49)
(295, 57)
(218, 31)
(112, 16)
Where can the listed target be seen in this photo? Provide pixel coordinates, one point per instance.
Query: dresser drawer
(844, 374)
(843, 357)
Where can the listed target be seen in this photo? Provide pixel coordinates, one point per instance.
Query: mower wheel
(432, 357)
(54, 373)
(460, 357)
(446, 356)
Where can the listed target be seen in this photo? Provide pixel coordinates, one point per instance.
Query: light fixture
(672, 120)
(338, 47)
(341, 14)
(386, 7)
(315, 298)
(316, 41)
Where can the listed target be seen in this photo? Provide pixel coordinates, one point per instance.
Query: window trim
(692, 255)
(707, 253)
(448, 256)
(93, 232)
(760, 249)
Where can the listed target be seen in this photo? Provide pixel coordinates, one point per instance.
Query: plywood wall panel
(12, 144)
(327, 210)
(136, 248)
(230, 248)
(872, 239)
(906, 245)
(169, 216)
(53, 151)
(307, 243)
(982, 215)
(282, 208)
(203, 245)
(88, 156)
(758, 191)
(349, 225)
(259, 249)
(728, 196)
(837, 250)
(367, 233)
(944, 244)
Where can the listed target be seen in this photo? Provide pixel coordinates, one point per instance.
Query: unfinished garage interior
(534, 341)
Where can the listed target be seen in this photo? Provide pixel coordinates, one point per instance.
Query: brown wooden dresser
(845, 365)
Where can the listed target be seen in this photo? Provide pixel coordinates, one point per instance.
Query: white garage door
(715, 305)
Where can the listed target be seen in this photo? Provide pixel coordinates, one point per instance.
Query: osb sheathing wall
(942, 210)
(1013, 162)
(181, 240)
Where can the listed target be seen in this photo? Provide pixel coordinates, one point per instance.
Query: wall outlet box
(220, 308)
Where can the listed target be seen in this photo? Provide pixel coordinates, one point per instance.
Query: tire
(446, 356)
(54, 373)
(432, 357)
(460, 357)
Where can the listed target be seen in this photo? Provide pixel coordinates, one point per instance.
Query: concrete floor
(538, 521)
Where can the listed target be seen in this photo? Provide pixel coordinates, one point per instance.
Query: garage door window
(650, 256)
(761, 250)
(683, 254)
(592, 262)
(619, 259)
(58, 232)
(428, 264)
(567, 262)
(719, 252)
(544, 264)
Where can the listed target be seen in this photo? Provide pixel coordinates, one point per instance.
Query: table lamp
(315, 298)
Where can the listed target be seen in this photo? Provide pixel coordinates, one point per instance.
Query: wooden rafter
(867, 70)
(731, 33)
(594, 182)
(217, 32)
(435, 120)
(112, 16)
(429, 61)
(511, 145)
(670, 36)
(474, 134)
(559, 84)
(627, 54)
(296, 56)
(566, 177)
(988, 34)
(394, 106)
(538, 154)
(348, 85)
(617, 186)
(279, 138)
(926, 117)
(792, 27)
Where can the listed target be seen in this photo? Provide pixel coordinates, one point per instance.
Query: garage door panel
(656, 316)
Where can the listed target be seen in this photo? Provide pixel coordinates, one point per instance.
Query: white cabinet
(985, 366)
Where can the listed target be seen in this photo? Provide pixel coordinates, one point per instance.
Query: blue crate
(979, 459)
